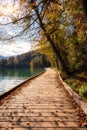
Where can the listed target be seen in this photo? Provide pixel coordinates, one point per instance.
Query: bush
(83, 91)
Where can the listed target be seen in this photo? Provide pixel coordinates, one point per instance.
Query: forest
(29, 59)
(60, 28)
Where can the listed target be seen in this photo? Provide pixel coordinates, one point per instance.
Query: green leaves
(83, 91)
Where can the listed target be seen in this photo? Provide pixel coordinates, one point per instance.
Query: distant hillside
(24, 60)
(1, 57)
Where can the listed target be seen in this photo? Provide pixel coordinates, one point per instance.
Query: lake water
(12, 77)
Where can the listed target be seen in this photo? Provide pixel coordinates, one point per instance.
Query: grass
(78, 84)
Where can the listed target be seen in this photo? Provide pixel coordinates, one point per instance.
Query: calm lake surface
(12, 77)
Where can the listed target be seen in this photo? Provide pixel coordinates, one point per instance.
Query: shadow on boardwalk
(40, 104)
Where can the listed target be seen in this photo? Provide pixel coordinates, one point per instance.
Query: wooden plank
(42, 104)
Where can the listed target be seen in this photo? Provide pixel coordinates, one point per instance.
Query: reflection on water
(12, 77)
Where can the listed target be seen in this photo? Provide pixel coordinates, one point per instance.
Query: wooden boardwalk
(39, 104)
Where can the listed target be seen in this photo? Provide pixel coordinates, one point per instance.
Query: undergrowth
(78, 86)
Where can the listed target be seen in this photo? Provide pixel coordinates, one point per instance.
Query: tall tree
(63, 24)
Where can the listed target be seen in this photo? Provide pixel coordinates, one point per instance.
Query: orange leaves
(22, 1)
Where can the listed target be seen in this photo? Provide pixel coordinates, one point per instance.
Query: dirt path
(41, 104)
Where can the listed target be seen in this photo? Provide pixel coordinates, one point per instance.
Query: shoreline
(6, 93)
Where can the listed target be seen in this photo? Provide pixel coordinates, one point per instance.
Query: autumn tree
(62, 23)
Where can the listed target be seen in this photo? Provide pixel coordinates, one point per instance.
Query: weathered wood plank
(41, 105)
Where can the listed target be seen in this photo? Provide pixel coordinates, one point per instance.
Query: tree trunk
(85, 7)
(56, 51)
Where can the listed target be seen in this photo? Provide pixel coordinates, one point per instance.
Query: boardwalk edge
(81, 102)
(15, 87)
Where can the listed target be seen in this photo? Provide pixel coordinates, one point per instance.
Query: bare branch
(20, 33)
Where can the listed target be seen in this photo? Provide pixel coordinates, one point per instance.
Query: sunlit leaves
(60, 20)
